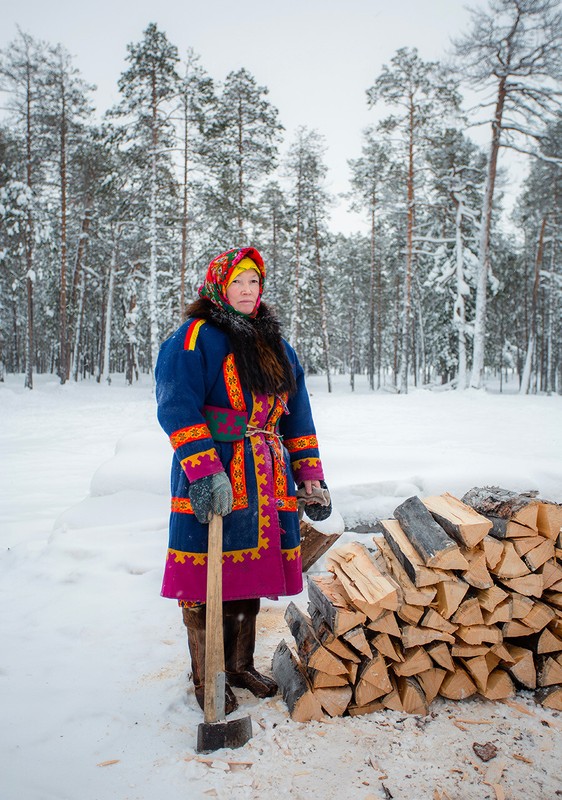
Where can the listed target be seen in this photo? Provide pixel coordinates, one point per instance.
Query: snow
(94, 668)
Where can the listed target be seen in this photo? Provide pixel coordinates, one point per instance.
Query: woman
(232, 398)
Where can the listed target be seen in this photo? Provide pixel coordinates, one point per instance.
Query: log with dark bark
(407, 555)
(314, 544)
(326, 597)
(428, 537)
(302, 704)
(465, 525)
(311, 653)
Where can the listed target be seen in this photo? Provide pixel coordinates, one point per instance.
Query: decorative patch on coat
(190, 434)
(192, 334)
(301, 443)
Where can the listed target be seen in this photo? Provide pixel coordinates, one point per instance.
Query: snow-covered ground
(94, 693)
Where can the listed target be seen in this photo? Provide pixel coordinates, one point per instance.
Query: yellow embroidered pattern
(190, 434)
(301, 443)
(195, 459)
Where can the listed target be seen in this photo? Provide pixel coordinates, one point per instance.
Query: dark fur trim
(257, 346)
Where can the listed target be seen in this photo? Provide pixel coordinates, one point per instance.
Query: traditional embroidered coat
(198, 390)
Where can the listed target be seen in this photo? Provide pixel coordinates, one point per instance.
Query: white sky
(317, 57)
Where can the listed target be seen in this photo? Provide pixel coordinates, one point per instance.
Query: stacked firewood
(451, 597)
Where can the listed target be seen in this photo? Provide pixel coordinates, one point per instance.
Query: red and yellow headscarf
(223, 269)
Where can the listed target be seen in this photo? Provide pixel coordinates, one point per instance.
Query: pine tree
(241, 151)
(423, 96)
(368, 176)
(149, 87)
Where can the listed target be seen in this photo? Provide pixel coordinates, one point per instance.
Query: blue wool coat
(204, 410)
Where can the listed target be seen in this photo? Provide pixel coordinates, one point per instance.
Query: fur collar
(257, 346)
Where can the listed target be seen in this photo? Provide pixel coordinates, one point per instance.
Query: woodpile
(452, 597)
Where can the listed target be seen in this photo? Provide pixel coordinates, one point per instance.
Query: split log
(503, 612)
(549, 519)
(463, 650)
(523, 667)
(384, 644)
(478, 634)
(450, 594)
(410, 614)
(352, 668)
(539, 616)
(465, 525)
(406, 554)
(515, 629)
(428, 537)
(441, 654)
(508, 528)
(413, 636)
(356, 711)
(392, 700)
(550, 697)
(493, 550)
(430, 681)
(520, 605)
(385, 624)
(554, 598)
(478, 670)
(549, 671)
(492, 597)
(335, 700)
(325, 595)
(415, 660)
(331, 642)
(468, 613)
(314, 543)
(412, 696)
(457, 685)
(510, 564)
(311, 653)
(548, 642)
(551, 573)
(526, 543)
(477, 574)
(501, 651)
(411, 594)
(504, 504)
(365, 692)
(433, 619)
(529, 585)
(356, 639)
(321, 680)
(499, 686)
(367, 588)
(301, 702)
(374, 670)
(539, 555)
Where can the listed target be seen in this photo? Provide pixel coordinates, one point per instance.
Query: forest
(108, 220)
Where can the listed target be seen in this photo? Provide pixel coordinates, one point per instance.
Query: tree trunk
(484, 243)
(405, 340)
(526, 377)
(63, 351)
(372, 293)
(322, 301)
(109, 313)
(459, 311)
(29, 344)
(153, 271)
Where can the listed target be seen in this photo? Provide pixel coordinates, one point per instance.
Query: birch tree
(513, 53)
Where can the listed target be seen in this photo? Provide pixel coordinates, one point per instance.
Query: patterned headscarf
(218, 276)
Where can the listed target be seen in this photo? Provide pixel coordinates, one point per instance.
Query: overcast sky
(317, 57)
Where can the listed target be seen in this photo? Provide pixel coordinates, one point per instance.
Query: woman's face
(242, 293)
